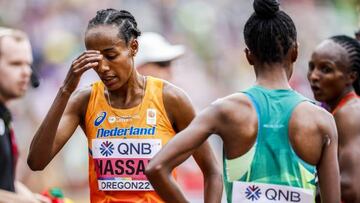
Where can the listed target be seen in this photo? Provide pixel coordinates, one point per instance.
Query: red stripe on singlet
(349, 96)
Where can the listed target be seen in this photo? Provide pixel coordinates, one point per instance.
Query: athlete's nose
(313, 74)
(103, 66)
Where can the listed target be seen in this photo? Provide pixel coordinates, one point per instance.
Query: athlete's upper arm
(73, 114)
(178, 106)
(328, 165)
(347, 124)
(348, 129)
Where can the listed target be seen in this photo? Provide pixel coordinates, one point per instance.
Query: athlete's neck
(334, 103)
(130, 94)
(273, 76)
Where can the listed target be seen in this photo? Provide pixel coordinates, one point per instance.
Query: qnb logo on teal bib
(101, 117)
(252, 192)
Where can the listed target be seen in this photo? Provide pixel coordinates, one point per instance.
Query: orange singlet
(122, 141)
(349, 96)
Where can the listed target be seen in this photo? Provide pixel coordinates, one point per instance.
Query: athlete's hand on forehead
(88, 56)
(87, 60)
(88, 52)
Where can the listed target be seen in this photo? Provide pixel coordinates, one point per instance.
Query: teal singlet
(270, 171)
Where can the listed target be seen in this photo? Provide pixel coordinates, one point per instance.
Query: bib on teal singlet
(270, 171)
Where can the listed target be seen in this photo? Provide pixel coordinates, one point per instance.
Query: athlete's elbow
(214, 178)
(34, 164)
(212, 171)
(153, 171)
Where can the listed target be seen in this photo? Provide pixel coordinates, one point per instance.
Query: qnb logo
(252, 192)
(282, 195)
(101, 117)
(107, 148)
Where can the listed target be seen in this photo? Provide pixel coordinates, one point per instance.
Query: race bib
(120, 163)
(248, 192)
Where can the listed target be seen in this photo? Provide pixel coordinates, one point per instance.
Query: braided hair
(352, 47)
(123, 19)
(269, 32)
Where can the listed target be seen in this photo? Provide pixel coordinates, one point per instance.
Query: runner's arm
(190, 141)
(55, 130)
(64, 114)
(328, 167)
(348, 131)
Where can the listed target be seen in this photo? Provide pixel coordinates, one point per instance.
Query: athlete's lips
(317, 91)
(315, 88)
(109, 80)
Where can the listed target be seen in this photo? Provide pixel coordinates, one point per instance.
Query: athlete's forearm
(213, 182)
(41, 148)
(165, 186)
(213, 188)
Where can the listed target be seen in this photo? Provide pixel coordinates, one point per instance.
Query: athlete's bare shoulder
(347, 118)
(234, 112)
(310, 127)
(178, 106)
(79, 100)
(349, 110)
(308, 114)
(236, 122)
(174, 97)
(172, 92)
(237, 103)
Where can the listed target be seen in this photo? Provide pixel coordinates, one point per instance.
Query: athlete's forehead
(331, 51)
(103, 37)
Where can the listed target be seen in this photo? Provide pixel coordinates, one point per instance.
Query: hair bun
(266, 8)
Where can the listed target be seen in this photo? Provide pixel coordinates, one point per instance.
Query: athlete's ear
(134, 46)
(294, 52)
(249, 56)
(352, 76)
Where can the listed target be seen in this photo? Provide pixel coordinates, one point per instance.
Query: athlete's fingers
(87, 60)
(88, 52)
(87, 55)
(86, 67)
(79, 60)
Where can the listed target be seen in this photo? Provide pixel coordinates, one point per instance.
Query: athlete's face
(118, 63)
(329, 72)
(15, 67)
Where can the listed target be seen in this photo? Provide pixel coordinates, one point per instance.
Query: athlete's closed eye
(110, 56)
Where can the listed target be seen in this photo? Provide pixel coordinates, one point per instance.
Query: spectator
(155, 56)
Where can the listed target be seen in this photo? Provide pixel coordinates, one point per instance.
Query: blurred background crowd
(213, 65)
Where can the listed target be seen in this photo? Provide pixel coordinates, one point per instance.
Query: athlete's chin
(319, 97)
(112, 87)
